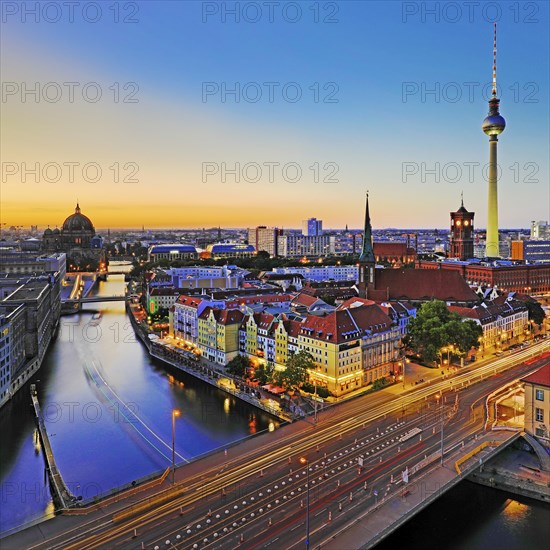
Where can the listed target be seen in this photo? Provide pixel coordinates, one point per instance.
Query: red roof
(346, 324)
(189, 301)
(355, 302)
(304, 300)
(223, 316)
(389, 249)
(424, 284)
(540, 377)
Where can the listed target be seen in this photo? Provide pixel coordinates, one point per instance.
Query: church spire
(367, 252)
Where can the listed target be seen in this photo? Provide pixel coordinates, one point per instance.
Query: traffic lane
(319, 465)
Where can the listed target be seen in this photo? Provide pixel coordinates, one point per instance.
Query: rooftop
(540, 377)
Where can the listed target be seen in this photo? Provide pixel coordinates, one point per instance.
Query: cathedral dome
(48, 231)
(78, 222)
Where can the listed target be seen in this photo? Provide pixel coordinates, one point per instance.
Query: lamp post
(175, 413)
(304, 460)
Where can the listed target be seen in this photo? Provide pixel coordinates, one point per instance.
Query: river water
(472, 517)
(108, 411)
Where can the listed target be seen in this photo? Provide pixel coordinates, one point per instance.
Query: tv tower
(493, 125)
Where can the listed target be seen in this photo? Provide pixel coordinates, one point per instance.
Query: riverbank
(208, 373)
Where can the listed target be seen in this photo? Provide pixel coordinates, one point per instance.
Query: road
(256, 497)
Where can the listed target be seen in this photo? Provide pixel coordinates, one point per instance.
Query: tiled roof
(424, 284)
(490, 311)
(303, 299)
(540, 377)
(189, 301)
(355, 302)
(346, 324)
(391, 249)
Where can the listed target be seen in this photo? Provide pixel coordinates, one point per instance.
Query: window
(539, 414)
(539, 395)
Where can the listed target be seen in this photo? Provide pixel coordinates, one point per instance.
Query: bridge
(363, 469)
(94, 299)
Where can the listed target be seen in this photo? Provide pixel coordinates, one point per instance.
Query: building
(504, 321)
(396, 254)
(352, 346)
(493, 125)
(218, 334)
(537, 404)
(230, 250)
(408, 285)
(312, 227)
(187, 309)
(265, 239)
(171, 252)
(77, 238)
(533, 251)
(540, 230)
(12, 349)
(301, 246)
(462, 234)
(508, 276)
(27, 263)
(322, 273)
(162, 298)
(28, 318)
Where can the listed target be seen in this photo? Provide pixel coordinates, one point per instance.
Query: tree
(536, 313)
(264, 374)
(435, 327)
(296, 371)
(239, 365)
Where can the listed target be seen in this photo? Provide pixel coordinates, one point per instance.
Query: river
(108, 410)
(473, 517)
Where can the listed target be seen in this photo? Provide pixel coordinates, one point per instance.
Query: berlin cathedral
(77, 238)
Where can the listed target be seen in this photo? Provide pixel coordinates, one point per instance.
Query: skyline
(379, 133)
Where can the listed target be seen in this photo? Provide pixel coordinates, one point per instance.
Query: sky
(198, 114)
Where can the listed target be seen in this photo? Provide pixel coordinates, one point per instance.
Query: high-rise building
(462, 233)
(297, 246)
(493, 125)
(540, 230)
(312, 227)
(265, 239)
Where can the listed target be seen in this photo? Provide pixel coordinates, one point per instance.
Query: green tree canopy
(239, 365)
(296, 372)
(435, 328)
(536, 313)
(264, 374)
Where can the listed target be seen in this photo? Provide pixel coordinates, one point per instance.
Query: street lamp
(305, 461)
(175, 413)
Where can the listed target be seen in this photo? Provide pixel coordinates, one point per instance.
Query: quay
(62, 497)
(185, 363)
(518, 471)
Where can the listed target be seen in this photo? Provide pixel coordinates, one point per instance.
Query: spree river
(108, 411)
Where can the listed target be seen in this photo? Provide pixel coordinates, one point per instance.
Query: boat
(96, 318)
